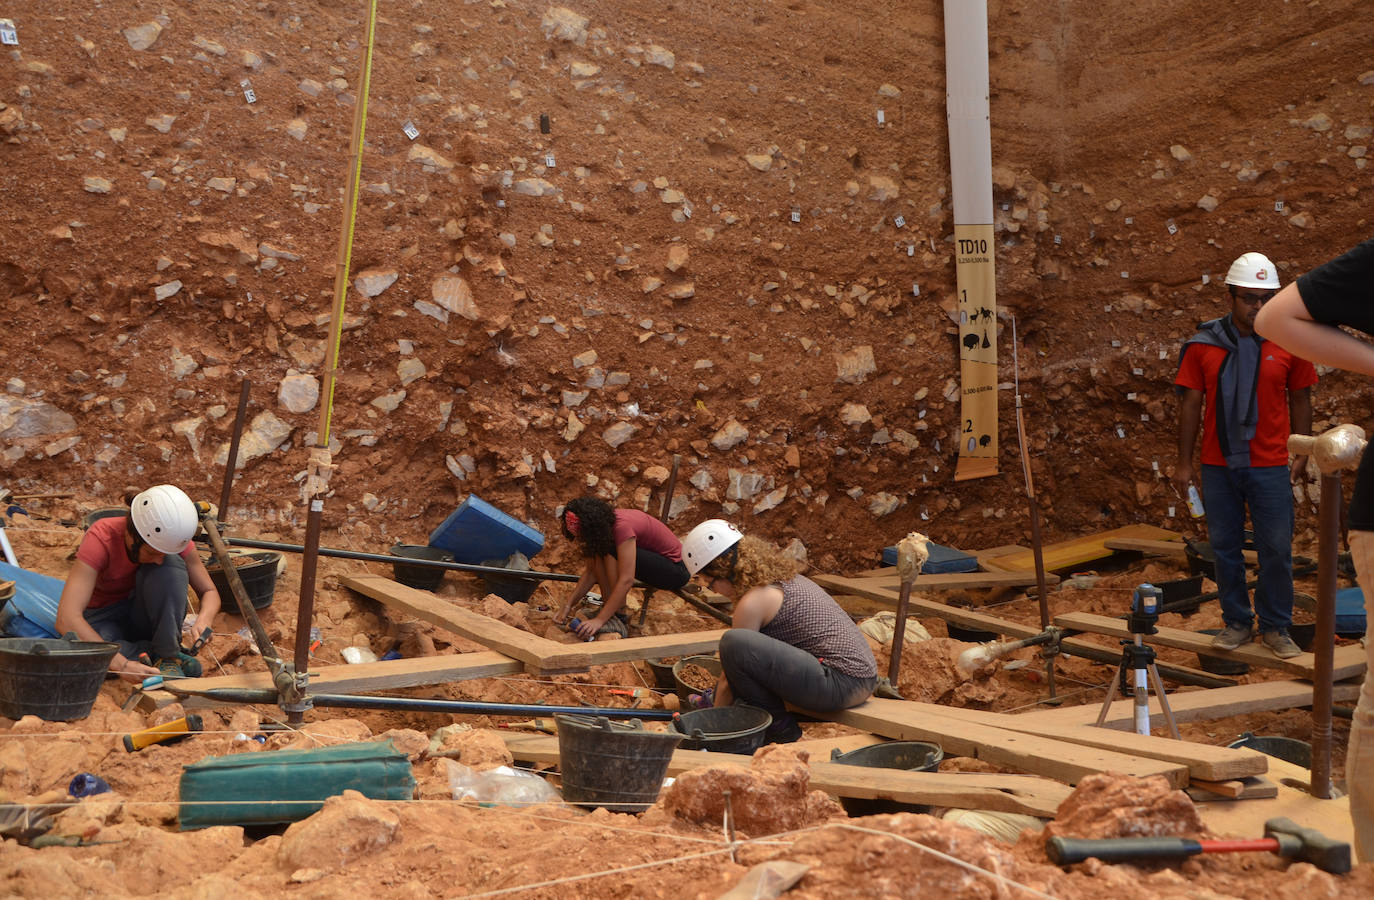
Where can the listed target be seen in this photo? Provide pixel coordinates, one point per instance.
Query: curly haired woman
(790, 641)
(620, 545)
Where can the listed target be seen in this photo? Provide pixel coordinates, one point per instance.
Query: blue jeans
(1266, 490)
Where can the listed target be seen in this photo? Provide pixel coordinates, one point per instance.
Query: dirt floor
(709, 252)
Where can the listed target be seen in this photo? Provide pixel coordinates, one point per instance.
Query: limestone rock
(94, 184)
(771, 500)
(428, 158)
(660, 56)
(1303, 219)
(855, 414)
(883, 503)
(536, 187)
(889, 90)
(389, 402)
(761, 161)
(410, 369)
(265, 433)
(231, 246)
(162, 123)
(141, 37)
(562, 24)
(21, 418)
(854, 366)
(298, 393)
(453, 294)
(297, 128)
(682, 290)
(742, 485)
(730, 435)
(1208, 203)
(677, 258)
(1111, 806)
(163, 291)
(1180, 153)
(618, 433)
(584, 359)
(583, 69)
(371, 282)
(208, 45)
(883, 188)
(771, 796)
(223, 185)
(347, 828)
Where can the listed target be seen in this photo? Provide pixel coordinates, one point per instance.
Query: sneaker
(783, 730)
(1281, 643)
(170, 667)
(1232, 637)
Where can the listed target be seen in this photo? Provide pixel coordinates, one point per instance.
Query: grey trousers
(769, 673)
(150, 618)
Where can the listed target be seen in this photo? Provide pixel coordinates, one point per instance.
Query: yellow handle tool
(165, 732)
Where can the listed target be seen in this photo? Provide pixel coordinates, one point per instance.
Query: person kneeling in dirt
(128, 585)
(620, 545)
(790, 641)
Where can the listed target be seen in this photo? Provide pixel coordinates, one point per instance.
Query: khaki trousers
(1359, 761)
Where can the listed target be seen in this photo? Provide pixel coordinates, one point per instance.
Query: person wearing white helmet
(128, 584)
(1246, 395)
(790, 642)
(1306, 318)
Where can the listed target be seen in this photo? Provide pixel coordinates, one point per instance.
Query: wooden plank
(1254, 788)
(983, 621)
(1002, 793)
(952, 581)
(1349, 661)
(528, 648)
(1145, 545)
(1164, 548)
(1062, 761)
(1233, 818)
(362, 678)
(1076, 552)
(1204, 761)
(600, 653)
(1196, 706)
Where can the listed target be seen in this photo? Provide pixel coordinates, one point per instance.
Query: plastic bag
(502, 784)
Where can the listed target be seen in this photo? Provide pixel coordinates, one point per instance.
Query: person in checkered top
(790, 642)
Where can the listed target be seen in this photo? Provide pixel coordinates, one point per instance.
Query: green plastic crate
(280, 786)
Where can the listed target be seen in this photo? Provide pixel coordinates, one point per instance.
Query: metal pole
(1037, 546)
(1324, 641)
(233, 461)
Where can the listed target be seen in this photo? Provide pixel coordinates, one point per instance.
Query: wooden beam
(1255, 788)
(1001, 793)
(600, 653)
(1195, 706)
(970, 618)
(1204, 761)
(952, 581)
(530, 649)
(1076, 552)
(1164, 548)
(1062, 761)
(1348, 662)
(362, 678)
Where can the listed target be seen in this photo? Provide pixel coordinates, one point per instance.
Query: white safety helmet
(1253, 270)
(165, 518)
(707, 541)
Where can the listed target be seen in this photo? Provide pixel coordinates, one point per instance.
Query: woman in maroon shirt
(620, 546)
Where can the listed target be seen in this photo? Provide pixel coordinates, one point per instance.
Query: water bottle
(1195, 502)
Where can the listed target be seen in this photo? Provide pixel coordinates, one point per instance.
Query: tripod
(1140, 660)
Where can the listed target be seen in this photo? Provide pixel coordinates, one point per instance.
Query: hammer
(1282, 836)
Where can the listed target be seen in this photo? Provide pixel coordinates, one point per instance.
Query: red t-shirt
(648, 533)
(103, 550)
(1280, 372)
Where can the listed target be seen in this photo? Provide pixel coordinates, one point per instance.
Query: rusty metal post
(1324, 641)
(233, 461)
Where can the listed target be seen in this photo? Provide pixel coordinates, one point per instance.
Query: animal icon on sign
(971, 340)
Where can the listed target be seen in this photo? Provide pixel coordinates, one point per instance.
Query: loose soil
(695, 261)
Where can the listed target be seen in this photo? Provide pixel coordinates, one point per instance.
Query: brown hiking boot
(1232, 637)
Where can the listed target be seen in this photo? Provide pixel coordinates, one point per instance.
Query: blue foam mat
(943, 560)
(477, 532)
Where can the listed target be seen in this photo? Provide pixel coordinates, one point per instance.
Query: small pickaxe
(1282, 836)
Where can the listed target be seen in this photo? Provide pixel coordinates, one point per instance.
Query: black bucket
(422, 578)
(911, 756)
(107, 512)
(56, 679)
(724, 729)
(612, 764)
(1218, 666)
(664, 679)
(510, 588)
(685, 690)
(259, 577)
(1174, 594)
(1292, 750)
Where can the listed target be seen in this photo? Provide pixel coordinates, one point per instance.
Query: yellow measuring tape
(346, 237)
